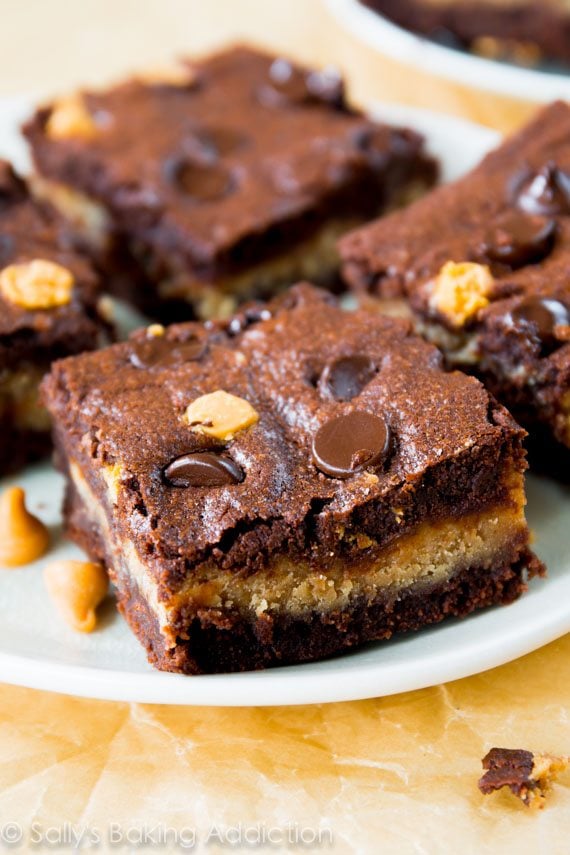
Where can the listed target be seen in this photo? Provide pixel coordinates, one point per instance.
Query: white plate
(37, 650)
(428, 57)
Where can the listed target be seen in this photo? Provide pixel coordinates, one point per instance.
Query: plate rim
(522, 84)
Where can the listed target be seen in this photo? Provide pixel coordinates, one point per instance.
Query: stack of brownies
(274, 482)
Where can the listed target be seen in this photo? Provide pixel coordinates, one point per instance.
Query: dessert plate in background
(449, 63)
(39, 651)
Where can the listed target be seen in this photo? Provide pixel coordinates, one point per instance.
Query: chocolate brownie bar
(525, 31)
(482, 266)
(48, 309)
(287, 484)
(231, 181)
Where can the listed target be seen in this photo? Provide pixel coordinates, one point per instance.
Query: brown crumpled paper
(388, 775)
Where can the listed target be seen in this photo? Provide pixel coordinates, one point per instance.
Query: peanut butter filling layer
(430, 554)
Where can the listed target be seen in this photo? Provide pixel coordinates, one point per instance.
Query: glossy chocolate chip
(159, 351)
(247, 318)
(203, 469)
(223, 141)
(326, 85)
(517, 238)
(542, 315)
(287, 82)
(545, 192)
(345, 378)
(349, 443)
(200, 179)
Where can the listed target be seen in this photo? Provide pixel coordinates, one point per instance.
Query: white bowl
(433, 59)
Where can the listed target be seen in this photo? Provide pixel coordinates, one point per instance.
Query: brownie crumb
(528, 776)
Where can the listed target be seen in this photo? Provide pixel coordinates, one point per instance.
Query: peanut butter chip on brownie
(23, 537)
(220, 415)
(37, 284)
(70, 118)
(349, 443)
(203, 469)
(460, 290)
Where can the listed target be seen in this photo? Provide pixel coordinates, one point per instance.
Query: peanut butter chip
(23, 537)
(460, 290)
(220, 415)
(175, 74)
(37, 284)
(76, 588)
(70, 118)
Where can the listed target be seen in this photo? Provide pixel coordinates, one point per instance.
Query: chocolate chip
(289, 83)
(517, 238)
(160, 351)
(542, 315)
(545, 192)
(246, 318)
(200, 179)
(326, 85)
(203, 469)
(348, 443)
(223, 141)
(345, 378)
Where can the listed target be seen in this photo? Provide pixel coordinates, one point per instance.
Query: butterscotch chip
(76, 588)
(23, 537)
(460, 290)
(528, 776)
(155, 331)
(70, 118)
(37, 284)
(220, 415)
(174, 74)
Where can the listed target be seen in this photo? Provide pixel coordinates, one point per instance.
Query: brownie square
(48, 309)
(524, 31)
(229, 182)
(482, 266)
(290, 483)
